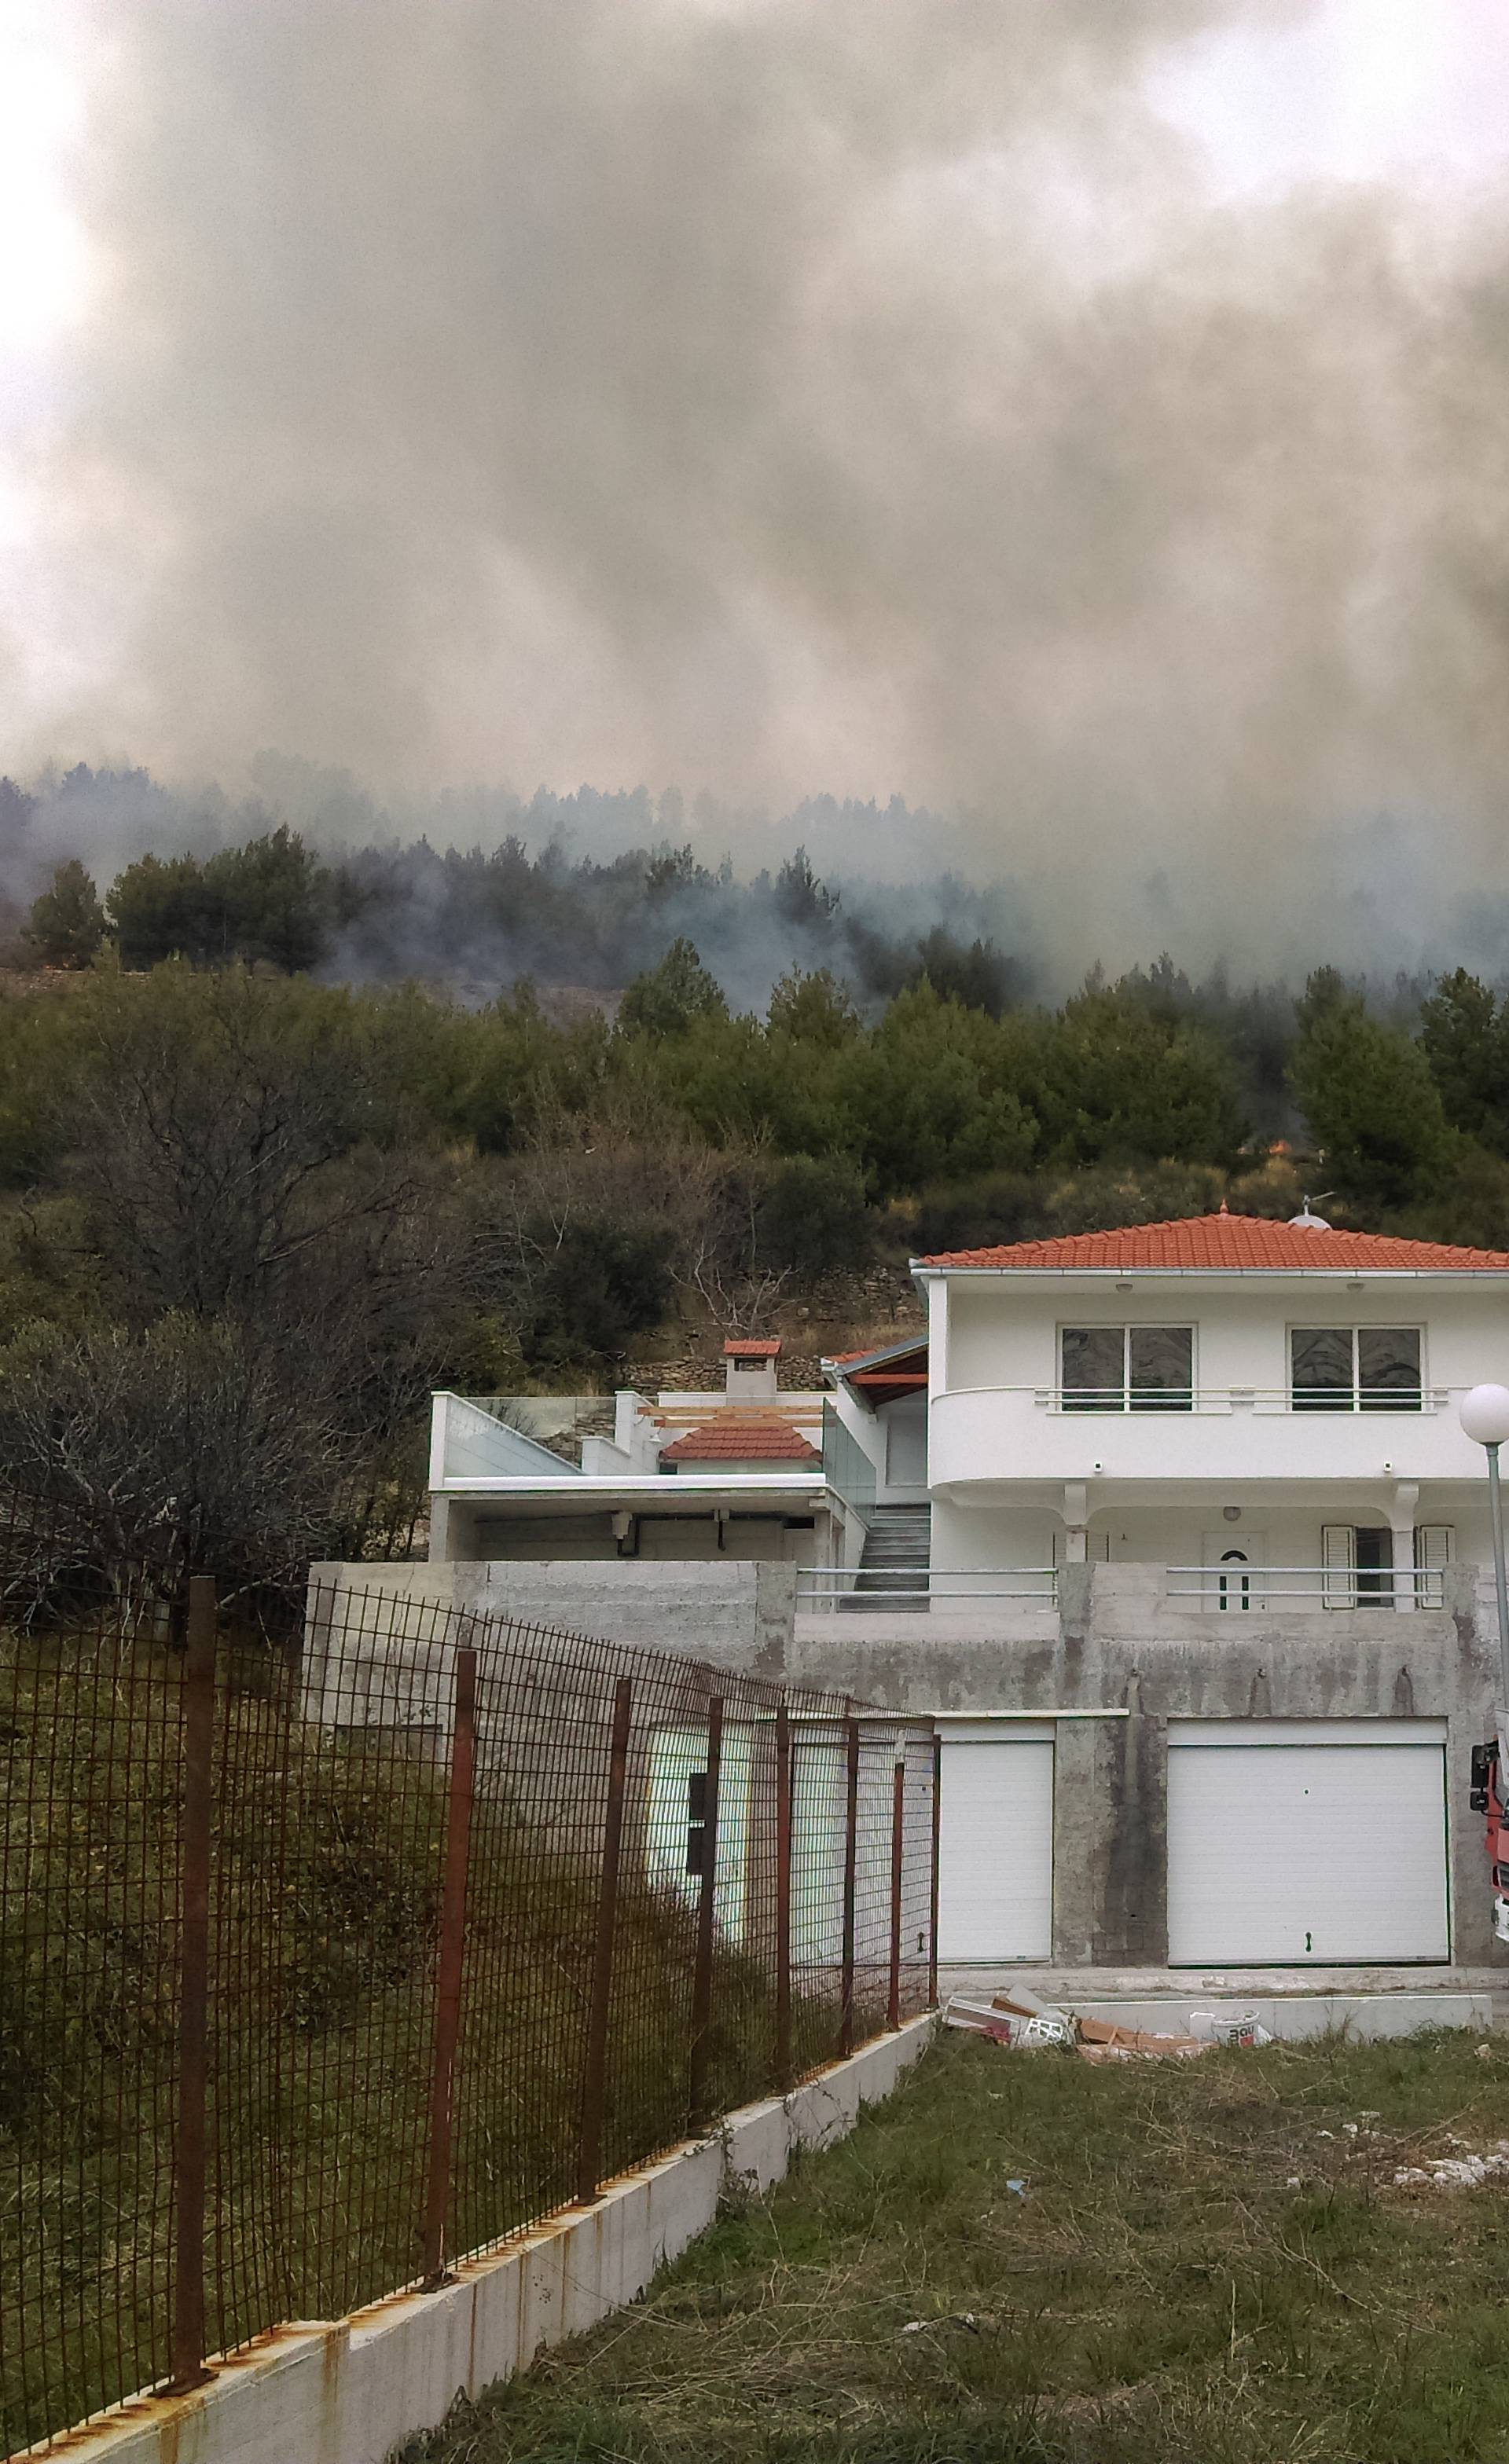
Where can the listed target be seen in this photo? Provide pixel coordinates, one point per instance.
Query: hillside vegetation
(249, 1217)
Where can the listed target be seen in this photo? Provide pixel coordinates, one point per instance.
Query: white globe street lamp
(1484, 1416)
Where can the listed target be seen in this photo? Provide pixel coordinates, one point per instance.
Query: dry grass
(1208, 2268)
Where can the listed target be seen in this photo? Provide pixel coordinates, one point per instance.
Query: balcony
(1019, 1603)
(853, 1590)
(984, 1436)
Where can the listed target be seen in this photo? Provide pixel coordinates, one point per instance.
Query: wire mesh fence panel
(91, 1707)
(332, 1812)
(874, 1803)
(819, 1785)
(473, 1916)
(916, 1895)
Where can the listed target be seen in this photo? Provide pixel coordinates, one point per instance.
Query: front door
(1230, 1582)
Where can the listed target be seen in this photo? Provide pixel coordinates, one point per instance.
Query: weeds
(1208, 2268)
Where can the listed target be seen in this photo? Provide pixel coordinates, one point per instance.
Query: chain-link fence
(325, 1960)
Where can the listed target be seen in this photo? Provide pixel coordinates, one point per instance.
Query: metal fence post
(892, 2001)
(448, 1974)
(702, 1982)
(193, 1992)
(783, 1894)
(932, 1931)
(846, 1990)
(594, 2086)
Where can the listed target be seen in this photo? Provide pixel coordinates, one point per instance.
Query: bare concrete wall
(1115, 1644)
(736, 1612)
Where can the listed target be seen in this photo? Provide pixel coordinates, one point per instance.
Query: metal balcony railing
(1230, 1590)
(1227, 1400)
(829, 1587)
(1238, 1590)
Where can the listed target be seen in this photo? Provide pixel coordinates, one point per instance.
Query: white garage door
(1296, 1839)
(995, 1845)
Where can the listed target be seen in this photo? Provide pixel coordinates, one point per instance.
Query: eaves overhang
(1448, 1276)
(662, 1488)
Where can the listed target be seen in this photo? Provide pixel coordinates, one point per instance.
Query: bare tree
(225, 1130)
(628, 1165)
(181, 1447)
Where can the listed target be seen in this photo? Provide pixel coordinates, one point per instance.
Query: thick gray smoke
(775, 395)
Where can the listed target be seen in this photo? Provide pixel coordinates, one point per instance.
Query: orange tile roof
(1234, 1244)
(752, 1348)
(743, 1441)
(898, 1349)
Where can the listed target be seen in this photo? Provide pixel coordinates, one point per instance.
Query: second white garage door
(1296, 1840)
(995, 1846)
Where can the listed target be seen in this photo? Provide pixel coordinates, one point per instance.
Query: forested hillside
(251, 1217)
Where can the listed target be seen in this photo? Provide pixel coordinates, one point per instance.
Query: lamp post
(1485, 1419)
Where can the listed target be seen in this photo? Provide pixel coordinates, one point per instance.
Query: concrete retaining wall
(350, 2392)
(1117, 1642)
(1114, 1642)
(736, 1612)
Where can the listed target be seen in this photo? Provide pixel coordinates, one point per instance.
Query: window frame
(1355, 1405)
(1154, 1399)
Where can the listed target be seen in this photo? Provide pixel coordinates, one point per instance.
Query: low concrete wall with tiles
(350, 2392)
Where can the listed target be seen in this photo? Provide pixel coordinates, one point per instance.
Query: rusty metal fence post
(893, 1999)
(703, 1981)
(448, 1967)
(932, 1930)
(783, 1894)
(846, 1990)
(594, 2086)
(189, 2138)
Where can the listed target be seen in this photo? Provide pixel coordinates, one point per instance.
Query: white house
(1266, 1410)
(1173, 1528)
(1208, 1609)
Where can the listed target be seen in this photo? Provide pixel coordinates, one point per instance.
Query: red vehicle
(1486, 1798)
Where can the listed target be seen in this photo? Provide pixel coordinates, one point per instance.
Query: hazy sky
(1088, 414)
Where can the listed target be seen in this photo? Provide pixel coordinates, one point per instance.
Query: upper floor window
(1355, 1367)
(1127, 1367)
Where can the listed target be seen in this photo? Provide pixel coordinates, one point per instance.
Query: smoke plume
(767, 397)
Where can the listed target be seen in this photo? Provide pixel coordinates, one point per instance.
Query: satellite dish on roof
(1305, 1221)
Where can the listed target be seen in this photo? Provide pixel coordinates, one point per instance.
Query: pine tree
(67, 923)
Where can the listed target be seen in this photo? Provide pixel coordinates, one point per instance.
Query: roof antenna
(1305, 1221)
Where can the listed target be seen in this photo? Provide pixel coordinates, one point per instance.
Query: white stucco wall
(993, 1418)
(1003, 1333)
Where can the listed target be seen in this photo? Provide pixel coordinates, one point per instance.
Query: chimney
(750, 1369)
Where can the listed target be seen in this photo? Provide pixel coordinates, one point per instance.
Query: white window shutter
(1434, 1548)
(1338, 1558)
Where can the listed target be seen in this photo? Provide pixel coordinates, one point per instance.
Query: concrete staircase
(896, 1544)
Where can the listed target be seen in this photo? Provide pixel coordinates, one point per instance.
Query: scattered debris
(1099, 2042)
(1020, 2020)
(1017, 2018)
(1018, 2189)
(1241, 2028)
(1456, 2172)
(955, 2318)
(1484, 2052)
(976, 2018)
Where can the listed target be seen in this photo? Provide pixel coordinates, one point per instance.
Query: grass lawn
(1207, 2265)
